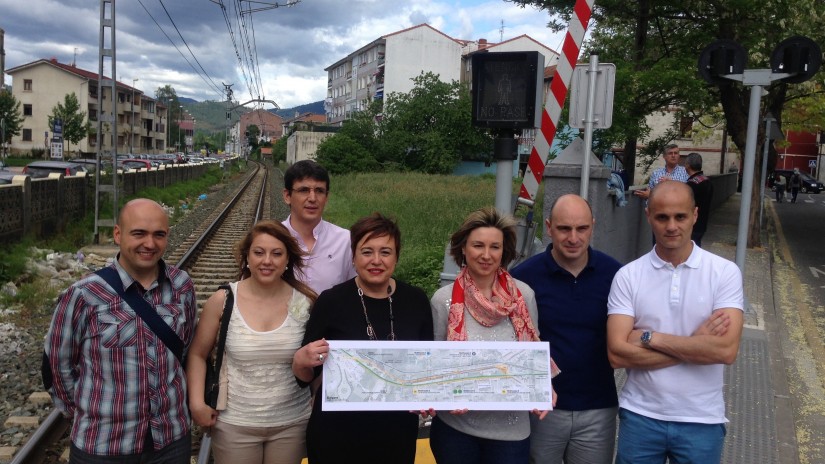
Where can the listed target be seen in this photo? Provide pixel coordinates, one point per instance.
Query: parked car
(6, 177)
(809, 184)
(137, 164)
(40, 169)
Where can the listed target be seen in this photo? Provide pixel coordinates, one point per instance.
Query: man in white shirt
(329, 260)
(675, 318)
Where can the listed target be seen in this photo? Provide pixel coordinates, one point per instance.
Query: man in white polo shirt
(329, 260)
(675, 318)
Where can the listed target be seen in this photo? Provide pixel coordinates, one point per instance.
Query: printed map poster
(414, 375)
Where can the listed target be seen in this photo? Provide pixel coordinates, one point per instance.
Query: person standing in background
(329, 258)
(670, 171)
(702, 194)
(779, 184)
(796, 184)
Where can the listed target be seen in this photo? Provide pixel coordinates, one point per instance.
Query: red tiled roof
(92, 76)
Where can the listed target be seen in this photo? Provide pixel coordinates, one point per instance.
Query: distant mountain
(314, 107)
(210, 115)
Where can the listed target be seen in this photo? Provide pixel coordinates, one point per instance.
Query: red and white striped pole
(555, 99)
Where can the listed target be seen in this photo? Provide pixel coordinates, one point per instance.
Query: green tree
(341, 154)
(279, 149)
(11, 117)
(75, 125)
(429, 129)
(355, 147)
(252, 134)
(655, 45)
(169, 97)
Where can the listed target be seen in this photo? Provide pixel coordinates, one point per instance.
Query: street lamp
(132, 129)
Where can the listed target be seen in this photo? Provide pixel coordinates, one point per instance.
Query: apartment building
(309, 118)
(269, 124)
(389, 63)
(40, 85)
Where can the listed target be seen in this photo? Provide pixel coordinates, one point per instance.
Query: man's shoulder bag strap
(143, 309)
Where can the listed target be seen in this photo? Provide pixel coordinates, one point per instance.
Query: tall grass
(428, 208)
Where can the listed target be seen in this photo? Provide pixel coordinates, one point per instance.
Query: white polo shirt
(676, 301)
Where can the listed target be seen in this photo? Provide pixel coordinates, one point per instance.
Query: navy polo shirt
(573, 318)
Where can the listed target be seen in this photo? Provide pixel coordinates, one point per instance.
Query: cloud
(289, 47)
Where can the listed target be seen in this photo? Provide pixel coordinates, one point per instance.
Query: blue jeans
(177, 452)
(644, 440)
(449, 446)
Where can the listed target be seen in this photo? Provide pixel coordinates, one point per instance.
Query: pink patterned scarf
(505, 302)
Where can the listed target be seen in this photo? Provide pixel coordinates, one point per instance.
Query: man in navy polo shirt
(572, 282)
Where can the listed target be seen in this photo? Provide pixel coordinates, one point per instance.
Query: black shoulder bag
(142, 308)
(213, 366)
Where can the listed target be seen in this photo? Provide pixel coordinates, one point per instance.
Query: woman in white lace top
(261, 414)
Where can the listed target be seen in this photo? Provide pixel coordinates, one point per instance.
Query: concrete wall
(621, 232)
(44, 206)
(412, 51)
(302, 145)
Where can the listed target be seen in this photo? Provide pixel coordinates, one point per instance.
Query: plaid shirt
(112, 375)
(679, 173)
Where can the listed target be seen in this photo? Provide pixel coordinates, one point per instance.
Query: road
(798, 273)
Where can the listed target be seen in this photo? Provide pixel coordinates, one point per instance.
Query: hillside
(210, 115)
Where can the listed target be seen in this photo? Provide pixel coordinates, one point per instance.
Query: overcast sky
(293, 44)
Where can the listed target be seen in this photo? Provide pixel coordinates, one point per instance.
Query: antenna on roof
(74, 60)
(501, 32)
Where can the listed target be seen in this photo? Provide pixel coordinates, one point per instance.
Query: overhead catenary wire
(215, 86)
(207, 82)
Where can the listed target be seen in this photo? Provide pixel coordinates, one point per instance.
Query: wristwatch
(647, 335)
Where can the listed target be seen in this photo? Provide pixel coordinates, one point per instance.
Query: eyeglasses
(304, 191)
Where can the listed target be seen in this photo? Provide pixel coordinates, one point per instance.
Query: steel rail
(55, 425)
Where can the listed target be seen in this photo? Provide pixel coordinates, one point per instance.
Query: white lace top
(262, 389)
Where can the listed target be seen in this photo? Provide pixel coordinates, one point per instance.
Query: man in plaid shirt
(122, 388)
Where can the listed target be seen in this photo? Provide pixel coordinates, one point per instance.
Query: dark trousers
(177, 452)
(449, 446)
(794, 193)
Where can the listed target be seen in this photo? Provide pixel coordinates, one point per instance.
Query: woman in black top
(372, 306)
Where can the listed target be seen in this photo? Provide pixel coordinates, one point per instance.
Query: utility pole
(228, 90)
(106, 118)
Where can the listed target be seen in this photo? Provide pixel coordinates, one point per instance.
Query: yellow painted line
(801, 304)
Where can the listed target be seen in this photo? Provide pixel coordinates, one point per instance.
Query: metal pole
(747, 177)
(768, 121)
(592, 73)
(504, 152)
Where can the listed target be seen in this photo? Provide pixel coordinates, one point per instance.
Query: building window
(27, 110)
(685, 126)
(27, 135)
(27, 85)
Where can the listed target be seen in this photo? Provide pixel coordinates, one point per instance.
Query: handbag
(213, 365)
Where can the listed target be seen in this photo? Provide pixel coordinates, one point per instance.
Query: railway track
(208, 256)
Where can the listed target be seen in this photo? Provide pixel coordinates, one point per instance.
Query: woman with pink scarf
(483, 304)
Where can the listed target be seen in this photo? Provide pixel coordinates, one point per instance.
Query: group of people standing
(781, 185)
(672, 318)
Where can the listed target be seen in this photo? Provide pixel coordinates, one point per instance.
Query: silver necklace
(370, 330)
